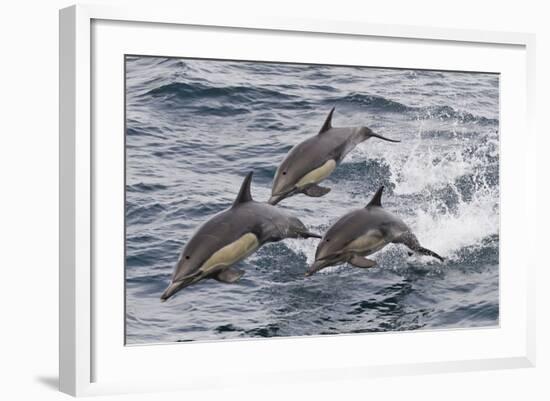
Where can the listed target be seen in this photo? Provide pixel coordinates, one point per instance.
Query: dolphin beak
(176, 286)
(274, 199)
(315, 267)
(171, 290)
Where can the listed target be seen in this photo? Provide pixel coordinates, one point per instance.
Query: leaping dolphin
(231, 236)
(361, 233)
(314, 159)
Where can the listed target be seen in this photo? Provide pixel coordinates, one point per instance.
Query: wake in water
(442, 180)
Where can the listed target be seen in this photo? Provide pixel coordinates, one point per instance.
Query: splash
(466, 226)
(448, 195)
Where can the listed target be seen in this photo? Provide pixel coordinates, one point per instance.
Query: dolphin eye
(284, 172)
(328, 239)
(187, 257)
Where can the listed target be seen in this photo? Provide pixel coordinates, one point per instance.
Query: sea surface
(194, 128)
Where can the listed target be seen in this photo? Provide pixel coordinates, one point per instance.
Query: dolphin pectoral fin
(363, 263)
(316, 191)
(229, 275)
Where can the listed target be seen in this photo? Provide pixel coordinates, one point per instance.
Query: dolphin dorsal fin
(244, 193)
(377, 198)
(328, 122)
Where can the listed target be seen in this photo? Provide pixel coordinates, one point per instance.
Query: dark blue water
(196, 127)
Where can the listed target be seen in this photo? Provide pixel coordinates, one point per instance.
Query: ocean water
(194, 128)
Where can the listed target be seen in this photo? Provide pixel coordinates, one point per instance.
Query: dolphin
(229, 237)
(363, 232)
(314, 159)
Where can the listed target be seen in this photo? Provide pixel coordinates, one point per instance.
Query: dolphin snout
(169, 291)
(176, 286)
(274, 199)
(315, 267)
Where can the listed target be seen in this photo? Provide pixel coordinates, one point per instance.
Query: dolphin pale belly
(231, 236)
(361, 233)
(313, 160)
(231, 253)
(317, 175)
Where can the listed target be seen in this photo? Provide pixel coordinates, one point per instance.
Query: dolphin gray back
(268, 223)
(359, 222)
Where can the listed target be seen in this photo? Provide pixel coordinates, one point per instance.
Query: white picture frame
(96, 361)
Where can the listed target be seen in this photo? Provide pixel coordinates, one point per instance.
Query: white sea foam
(466, 226)
(303, 247)
(432, 171)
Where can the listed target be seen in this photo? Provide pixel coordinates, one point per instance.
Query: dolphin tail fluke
(409, 240)
(372, 134)
(312, 235)
(308, 234)
(304, 233)
(427, 252)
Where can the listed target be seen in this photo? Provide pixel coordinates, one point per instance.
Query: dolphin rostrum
(229, 237)
(361, 233)
(314, 159)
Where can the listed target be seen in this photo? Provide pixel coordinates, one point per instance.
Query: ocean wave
(449, 113)
(145, 187)
(194, 127)
(440, 112)
(193, 91)
(371, 101)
